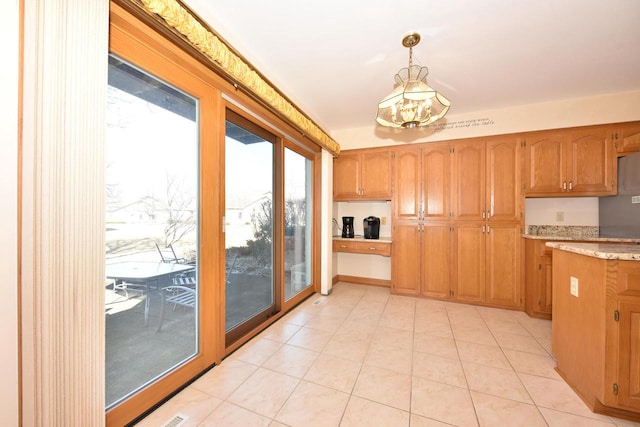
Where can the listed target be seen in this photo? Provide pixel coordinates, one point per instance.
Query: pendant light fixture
(412, 102)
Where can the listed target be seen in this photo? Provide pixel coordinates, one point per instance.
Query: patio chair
(182, 292)
(172, 257)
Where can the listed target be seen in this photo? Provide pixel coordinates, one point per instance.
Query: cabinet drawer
(359, 247)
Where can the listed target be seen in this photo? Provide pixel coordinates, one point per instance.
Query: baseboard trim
(362, 280)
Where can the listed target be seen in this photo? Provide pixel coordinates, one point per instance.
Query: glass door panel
(298, 209)
(249, 226)
(151, 290)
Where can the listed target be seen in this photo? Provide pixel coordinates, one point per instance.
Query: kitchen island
(596, 324)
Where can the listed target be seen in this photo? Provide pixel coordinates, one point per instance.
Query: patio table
(144, 273)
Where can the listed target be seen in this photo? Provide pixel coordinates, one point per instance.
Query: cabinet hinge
(523, 143)
(616, 315)
(452, 150)
(451, 214)
(615, 389)
(393, 155)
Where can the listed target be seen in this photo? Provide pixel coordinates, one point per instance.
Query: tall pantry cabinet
(456, 221)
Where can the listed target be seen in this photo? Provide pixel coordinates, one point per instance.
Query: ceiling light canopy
(412, 102)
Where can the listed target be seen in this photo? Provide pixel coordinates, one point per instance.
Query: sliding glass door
(249, 226)
(152, 224)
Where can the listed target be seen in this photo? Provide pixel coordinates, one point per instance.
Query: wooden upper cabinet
(346, 177)
(436, 181)
(362, 175)
(503, 180)
(468, 181)
(579, 162)
(627, 139)
(544, 164)
(590, 162)
(406, 184)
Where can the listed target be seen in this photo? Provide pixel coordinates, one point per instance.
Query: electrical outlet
(635, 199)
(560, 216)
(574, 286)
(383, 220)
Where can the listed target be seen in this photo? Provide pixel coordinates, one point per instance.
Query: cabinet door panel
(503, 274)
(405, 258)
(468, 179)
(346, 177)
(469, 262)
(628, 139)
(436, 238)
(544, 164)
(629, 350)
(503, 180)
(436, 181)
(406, 188)
(376, 176)
(590, 162)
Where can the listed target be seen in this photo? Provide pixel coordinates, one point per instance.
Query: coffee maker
(347, 227)
(371, 227)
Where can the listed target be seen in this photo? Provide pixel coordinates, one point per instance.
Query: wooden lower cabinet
(598, 332)
(468, 262)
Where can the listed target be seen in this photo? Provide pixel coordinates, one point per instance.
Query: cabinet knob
(570, 185)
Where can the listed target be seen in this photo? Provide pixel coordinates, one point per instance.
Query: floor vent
(176, 421)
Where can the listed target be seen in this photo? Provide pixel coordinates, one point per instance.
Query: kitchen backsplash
(575, 231)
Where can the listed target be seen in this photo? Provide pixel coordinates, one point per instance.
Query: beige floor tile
(391, 338)
(479, 336)
(351, 346)
(277, 424)
(230, 415)
(384, 386)
(280, 332)
(496, 382)
(624, 423)
(533, 364)
(442, 402)
(398, 359)
(562, 419)
(404, 322)
(435, 329)
(311, 339)
(222, 380)
(334, 372)
(556, 394)
(313, 405)
(291, 360)
(420, 421)
(519, 342)
(324, 323)
(482, 355)
(365, 413)
(256, 351)
(495, 411)
(466, 321)
(297, 317)
(439, 369)
(338, 311)
(430, 316)
(264, 392)
(445, 347)
(190, 403)
(507, 327)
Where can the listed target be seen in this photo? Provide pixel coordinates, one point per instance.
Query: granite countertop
(595, 239)
(360, 238)
(600, 250)
(572, 233)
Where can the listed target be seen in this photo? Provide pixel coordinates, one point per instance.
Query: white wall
(602, 109)
(575, 210)
(8, 217)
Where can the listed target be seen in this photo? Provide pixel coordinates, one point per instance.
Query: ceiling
(336, 59)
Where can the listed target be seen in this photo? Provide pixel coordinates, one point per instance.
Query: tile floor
(363, 357)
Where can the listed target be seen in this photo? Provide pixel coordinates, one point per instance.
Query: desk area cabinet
(362, 175)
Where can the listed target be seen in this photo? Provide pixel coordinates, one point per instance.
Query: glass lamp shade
(412, 102)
